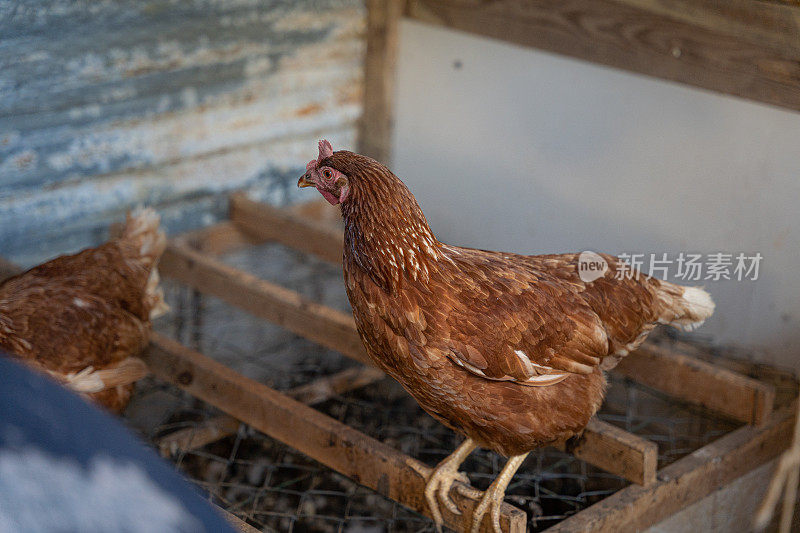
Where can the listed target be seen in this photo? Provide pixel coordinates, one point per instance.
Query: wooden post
(375, 127)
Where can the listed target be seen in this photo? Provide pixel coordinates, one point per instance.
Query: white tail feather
(691, 308)
(142, 230)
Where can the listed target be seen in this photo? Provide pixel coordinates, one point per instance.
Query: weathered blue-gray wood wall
(109, 104)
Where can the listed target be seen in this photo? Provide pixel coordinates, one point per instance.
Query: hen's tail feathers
(89, 380)
(685, 307)
(142, 231)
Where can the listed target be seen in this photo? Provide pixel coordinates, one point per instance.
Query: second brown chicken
(83, 318)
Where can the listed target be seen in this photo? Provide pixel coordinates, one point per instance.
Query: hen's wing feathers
(520, 323)
(530, 319)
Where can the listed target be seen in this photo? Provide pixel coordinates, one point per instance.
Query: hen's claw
(439, 482)
(492, 501)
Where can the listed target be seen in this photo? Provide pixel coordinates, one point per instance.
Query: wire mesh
(275, 488)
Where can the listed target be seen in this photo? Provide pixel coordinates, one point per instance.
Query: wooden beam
(336, 445)
(219, 239)
(687, 480)
(266, 223)
(323, 325)
(612, 449)
(219, 427)
(687, 378)
(377, 121)
(238, 524)
(195, 437)
(745, 48)
(615, 450)
(323, 389)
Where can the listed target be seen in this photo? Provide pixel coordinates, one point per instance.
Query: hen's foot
(439, 481)
(492, 500)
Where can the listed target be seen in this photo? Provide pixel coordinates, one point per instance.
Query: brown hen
(83, 318)
(508, 350)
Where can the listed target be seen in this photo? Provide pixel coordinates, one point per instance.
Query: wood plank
(614, 450)
(238, 524)
(687, 480)
(318, 391)
(323, 325)
(339, 447)
(266, 223)
(194, 438)
(323, 389)
(687, 378)
(222, 238)
(380, 65)
(744, 48)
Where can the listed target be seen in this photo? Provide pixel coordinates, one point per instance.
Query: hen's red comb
(325, 150)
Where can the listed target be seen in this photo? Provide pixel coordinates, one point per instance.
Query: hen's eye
(326, 173)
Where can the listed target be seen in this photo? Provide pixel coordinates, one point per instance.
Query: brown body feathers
(82, 318)
(504, 348)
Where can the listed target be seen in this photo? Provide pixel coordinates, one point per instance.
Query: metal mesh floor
(273, 487)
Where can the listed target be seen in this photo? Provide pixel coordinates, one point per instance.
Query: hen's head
(340, 176)
(386, 233)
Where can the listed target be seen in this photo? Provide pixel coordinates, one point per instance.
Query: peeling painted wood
(104, 105)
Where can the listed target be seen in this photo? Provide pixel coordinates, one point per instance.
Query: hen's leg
(441, 479)
(494, 495)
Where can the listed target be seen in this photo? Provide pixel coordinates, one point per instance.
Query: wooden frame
(745, 48)
(288, 417)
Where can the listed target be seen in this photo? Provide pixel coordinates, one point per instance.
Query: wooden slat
(238, 524)
(323, 389)
(687, 378)
(219, 239)
(318, 391)
(687, 480)
(745, 48)
(284, 307)
(265, 223)
(375, 128)
(194, 438)
(336, 445)
(614, 450)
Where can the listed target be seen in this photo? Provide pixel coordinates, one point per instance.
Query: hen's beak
(304, 182)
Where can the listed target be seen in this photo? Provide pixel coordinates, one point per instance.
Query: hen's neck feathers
(386, 233)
